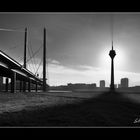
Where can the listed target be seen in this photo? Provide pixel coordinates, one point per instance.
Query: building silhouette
(119, 85)
(102, 83)
(124, 82)
(81, 86)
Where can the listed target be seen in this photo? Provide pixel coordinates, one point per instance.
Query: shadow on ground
(108, 109)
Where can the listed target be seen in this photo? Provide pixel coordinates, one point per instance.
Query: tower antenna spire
(112, 38)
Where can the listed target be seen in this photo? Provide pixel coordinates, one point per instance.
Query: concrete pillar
(1, 83)
(36, 87)
(24, 86)
(20, 85)
(29, 85)
(6, 84)
(13, 82)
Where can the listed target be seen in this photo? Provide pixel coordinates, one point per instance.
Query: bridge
(14, 71)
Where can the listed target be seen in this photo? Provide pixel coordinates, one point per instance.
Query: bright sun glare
(119, 60)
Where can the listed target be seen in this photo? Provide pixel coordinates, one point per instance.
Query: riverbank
(103, 110)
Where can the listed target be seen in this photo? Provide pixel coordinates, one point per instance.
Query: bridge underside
(10, 69)
(15, 78)
(5, 72)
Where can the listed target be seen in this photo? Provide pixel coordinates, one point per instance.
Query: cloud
(86, 67)
(52, 61)
(59, 74)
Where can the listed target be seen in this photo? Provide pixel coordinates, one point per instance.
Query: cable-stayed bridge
(14, 71)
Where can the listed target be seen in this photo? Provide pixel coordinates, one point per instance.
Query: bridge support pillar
(6, 84)
(24, 86)
(29, 85)
(20, 86)
(1, 83)
(13, 82)
(36, 87)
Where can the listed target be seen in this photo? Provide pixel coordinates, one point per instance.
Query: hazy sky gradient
(77, 44)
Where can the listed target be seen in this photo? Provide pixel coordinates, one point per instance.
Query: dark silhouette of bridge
(10, 68)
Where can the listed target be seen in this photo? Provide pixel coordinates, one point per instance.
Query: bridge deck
(10, 68)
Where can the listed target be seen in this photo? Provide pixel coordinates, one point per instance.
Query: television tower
(112, 54)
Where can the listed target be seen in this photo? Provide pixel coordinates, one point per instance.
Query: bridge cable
(34, 54)
(13, 48)
(31, 59)
(13, 30)
(38, 67)
(30, 67)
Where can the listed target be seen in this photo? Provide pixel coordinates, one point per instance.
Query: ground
(70, 109)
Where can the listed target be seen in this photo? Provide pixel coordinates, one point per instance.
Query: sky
(78, 45)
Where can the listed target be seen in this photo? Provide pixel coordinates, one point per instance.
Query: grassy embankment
(107, 109)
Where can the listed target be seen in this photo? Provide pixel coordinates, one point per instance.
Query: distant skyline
(78, 44)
